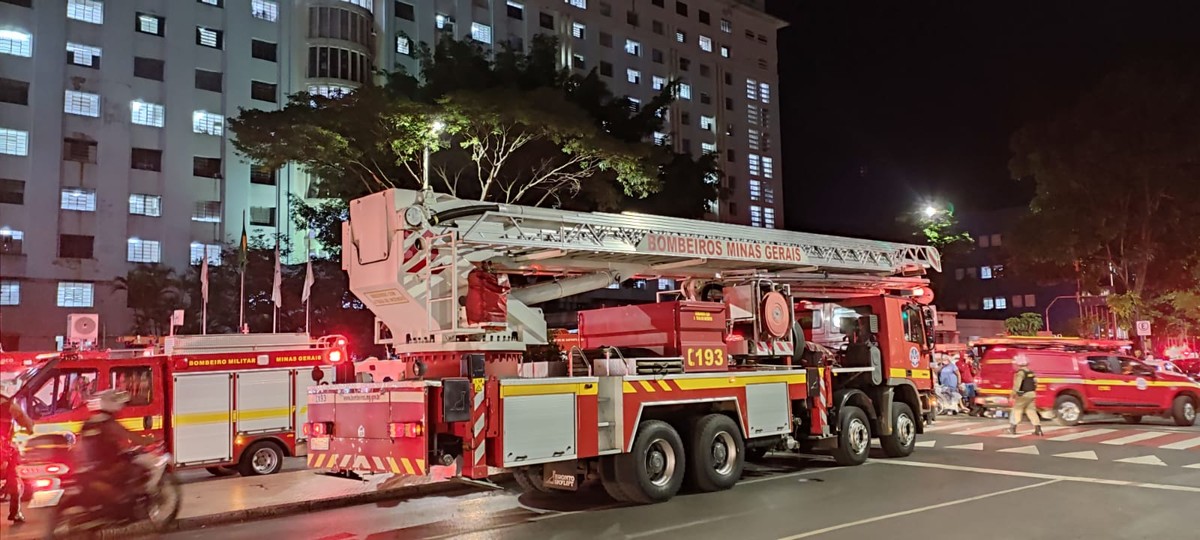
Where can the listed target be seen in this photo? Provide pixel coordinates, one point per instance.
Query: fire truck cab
(230, 403)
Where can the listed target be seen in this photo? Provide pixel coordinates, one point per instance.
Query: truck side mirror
(873, 323)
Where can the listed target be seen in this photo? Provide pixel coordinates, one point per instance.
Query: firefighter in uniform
(10, 413)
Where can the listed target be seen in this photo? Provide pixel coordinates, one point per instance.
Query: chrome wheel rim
(859, 436)
(724, 453)
(1069, 411)
(264, 461)
(1189, 411)
(660, 462)
(906, 429)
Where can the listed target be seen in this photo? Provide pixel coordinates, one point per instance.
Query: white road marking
(978, 430)
(972, 446)
(1028, 450)
(1081, 434)
(1136, 437)
(916, 511)
(1042, 476)
(791, 475)
(1182, 445)
(926, 444)
(1086, 454)
(694, 523)
(947, 425)
(1045, 429)
(1144, 460)
(1196, 466)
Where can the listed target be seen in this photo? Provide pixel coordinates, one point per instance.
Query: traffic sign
(1143, 328)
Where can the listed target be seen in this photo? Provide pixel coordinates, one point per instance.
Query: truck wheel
(1068, 410)
(904, 432)
(530, 479)
(854, 437)
(221, 471)
(1184, 411)
(653, 471)
(262, 458)
(1132, 418)
(717, 453)
(608, 479)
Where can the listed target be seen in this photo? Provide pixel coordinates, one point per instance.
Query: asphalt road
(968, 480)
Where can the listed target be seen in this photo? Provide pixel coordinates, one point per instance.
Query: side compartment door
(264, 401)
(202, 418)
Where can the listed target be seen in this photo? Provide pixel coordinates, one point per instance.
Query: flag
(244, 246)
(204, 275)
(308, 281)
(276, 292)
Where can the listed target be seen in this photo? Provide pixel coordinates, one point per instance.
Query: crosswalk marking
(1143, 436)
(972, 446)
(978, 430)
(1196, 466)
(943, 426)
(1086, 454)
(1028, 450)
(1182, 445)
(1082, 434)
(926, 444)
(1045, 429)
(1144, 460)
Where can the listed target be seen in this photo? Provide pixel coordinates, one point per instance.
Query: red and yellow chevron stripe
(382, 464)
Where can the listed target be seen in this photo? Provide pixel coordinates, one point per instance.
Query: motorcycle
(154, 496)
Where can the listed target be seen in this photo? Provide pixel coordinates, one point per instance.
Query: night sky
(889, 103)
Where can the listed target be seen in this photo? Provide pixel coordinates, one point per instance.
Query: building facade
(113, 147)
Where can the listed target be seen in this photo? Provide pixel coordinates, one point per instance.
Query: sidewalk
(261, 497)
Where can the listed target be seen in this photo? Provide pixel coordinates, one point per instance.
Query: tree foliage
(1025, 324)
(1118, 201)
(153, 292)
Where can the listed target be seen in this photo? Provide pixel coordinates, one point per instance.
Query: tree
(153, 292)
(1026, 324)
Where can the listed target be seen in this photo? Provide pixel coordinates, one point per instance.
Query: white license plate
(43, 499)
(318, 443)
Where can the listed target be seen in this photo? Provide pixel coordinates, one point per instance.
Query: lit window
(985, 272)
(681, 36)
(752, 113)
(207, 212)
(329, 90)
(708, 122)
(481, 33)
(666, 284)
(145, 205)
(755, 164)
(660, 138)
(143, 251)
(208, 37)
(658, 83)
(83, 55)
(633, 76)
(16, 43)
(14, 142)
(211, 2)
(10, 293)
(751, 89)
(755, 190)
(578, 30)
(635, 104)
(365, 4)
(769, 218)
(724, 51)
(768, 193)
(444, 22)
(708, 148)
(768, 166)
(74, 294)
(989, 303)
(726, 26)
(705, 43)
(208, 123)
(1030, 300)
(756, 216)
(404, 45)
(89, 11)
(754, 138)
(200, 249)
(78, 199)
(633, 47)
(1001, 302)
(581, 4)
(81, 103)
(764, 92)
(685, 91)
(578, 61)
(266, 10)
(146, 114)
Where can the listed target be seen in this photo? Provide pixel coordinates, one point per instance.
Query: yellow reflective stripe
(664, 386)
(202, 418)
(646, 386)
(736, 381)
(901, 373)
(582, 389)
(408, 468)
(393, 465)
(262, 414)
(629, 388)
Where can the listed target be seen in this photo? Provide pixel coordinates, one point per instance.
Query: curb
(301, 507)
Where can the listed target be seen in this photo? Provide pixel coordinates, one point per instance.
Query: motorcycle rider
(103, 442)
(10, 412)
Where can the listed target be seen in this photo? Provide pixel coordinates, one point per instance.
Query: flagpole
(308, 274)
(242, 256)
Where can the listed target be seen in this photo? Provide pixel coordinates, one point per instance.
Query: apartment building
(113, 147)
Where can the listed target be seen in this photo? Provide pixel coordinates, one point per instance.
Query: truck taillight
(318, 429)
(34, 471)
(335, 356)
(400, 430)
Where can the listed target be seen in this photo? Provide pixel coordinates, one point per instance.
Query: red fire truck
(230, 403)
(653, 395)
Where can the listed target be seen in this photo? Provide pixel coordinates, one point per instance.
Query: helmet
(109, 401)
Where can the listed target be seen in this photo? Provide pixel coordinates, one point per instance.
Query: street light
(930, 211)
(435, 129)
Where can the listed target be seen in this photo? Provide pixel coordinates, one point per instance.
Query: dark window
(262, 175)
(148, 68)
(685, 118)
(208, 80)
(687, 146)
(728, 78)
(631, 17)
(80, 150)
(516, 12)
(546, 20)
(14, 91)
(684, 64)
(704, 17)
(75, 246)
(606, 69)
(146, 159)
(705, 70)
(12, 191)
(149, 24)
(605, 39)
(729, 104)
(206, 167)
(681, 8)
(658, 3)
(405, 11)
(263, 91)
(730, 156)
(264, 50)
(22, 3)
(657, 27)
(733, 209)
(656, 56)
(262, 216)
(705, 98)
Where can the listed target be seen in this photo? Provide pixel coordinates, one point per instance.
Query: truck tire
(716, 453)
(221, 471)
(608, 479)
(854, 437)
(1184, 411)
(653, 472)
(530, 479)
(262, 458)
(1132, 418)
(1068, 410)
(904, 432)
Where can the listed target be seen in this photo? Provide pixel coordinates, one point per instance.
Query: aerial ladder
(717, 372)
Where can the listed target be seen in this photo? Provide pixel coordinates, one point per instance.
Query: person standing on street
(1024, 391)
(966, 370)
(10, 456)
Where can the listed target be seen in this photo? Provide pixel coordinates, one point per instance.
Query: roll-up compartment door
(202, 417)
(264, 401)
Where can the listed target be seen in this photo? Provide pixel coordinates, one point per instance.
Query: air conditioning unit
(83, 328)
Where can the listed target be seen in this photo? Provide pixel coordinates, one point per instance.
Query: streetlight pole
(435, 128)
(1047, 312)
